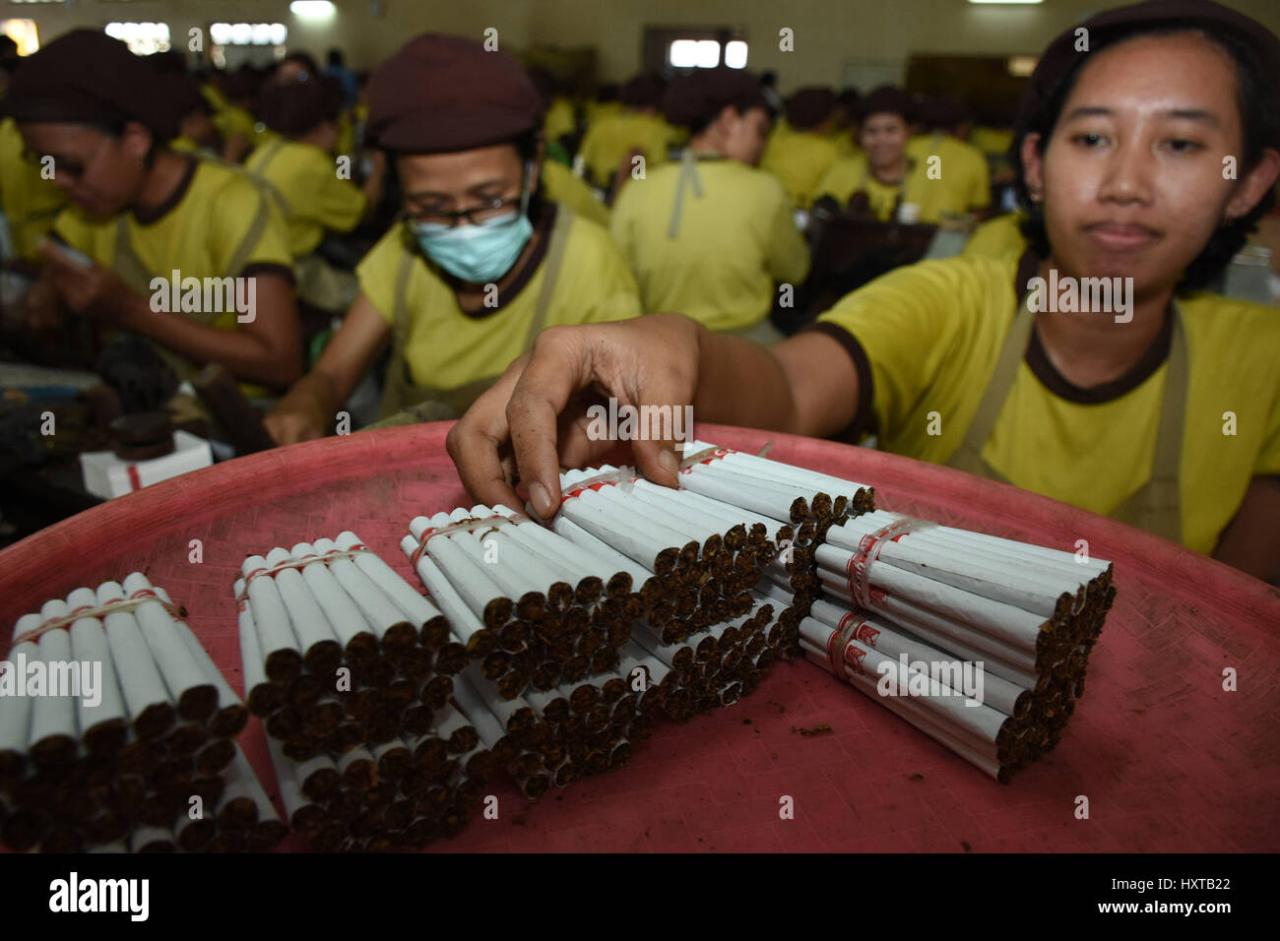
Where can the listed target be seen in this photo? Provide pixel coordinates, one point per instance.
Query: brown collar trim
(156, 213)
(1042, 368)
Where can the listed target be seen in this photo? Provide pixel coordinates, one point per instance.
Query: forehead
(59, 137)
(882, 120)
(1185, 69)
(462, 169)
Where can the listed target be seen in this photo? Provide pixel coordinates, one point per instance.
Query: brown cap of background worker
(1121, 151)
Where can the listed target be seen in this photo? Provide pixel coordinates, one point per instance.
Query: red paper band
(138, 598)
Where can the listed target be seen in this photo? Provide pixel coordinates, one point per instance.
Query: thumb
(659, 461)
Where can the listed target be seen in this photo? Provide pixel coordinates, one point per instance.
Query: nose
(1127, 175)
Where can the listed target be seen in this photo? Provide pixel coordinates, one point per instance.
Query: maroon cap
(809, 107)
(694, 100)
(1061, 58)
(85, 76)
(445, 93)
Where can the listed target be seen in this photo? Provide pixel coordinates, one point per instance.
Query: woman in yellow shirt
(145, 223)
(1161, 408)
(479, 265)
(711, 235)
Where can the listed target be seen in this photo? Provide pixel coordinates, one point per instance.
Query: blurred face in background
(1132, 177)
(743, 134)
(883, 137)
(101, 173)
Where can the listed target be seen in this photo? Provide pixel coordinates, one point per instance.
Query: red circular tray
(1168, 760)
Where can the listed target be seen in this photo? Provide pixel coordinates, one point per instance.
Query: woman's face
(100, 173)
(463, 180)
(745, 134)
(1135, 178)
(884, 138)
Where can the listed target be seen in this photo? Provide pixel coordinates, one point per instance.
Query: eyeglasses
(485, 213)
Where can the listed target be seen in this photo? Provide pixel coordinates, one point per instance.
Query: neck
(704, 143)
(161, 180)
(891, 172)
(1090, 349)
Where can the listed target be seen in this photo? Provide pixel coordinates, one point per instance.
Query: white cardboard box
(106, 476)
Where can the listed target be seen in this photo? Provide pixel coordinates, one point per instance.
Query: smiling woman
(1145, 155)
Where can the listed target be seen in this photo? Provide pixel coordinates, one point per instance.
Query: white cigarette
(345, 619)
(477, 712)
(588, 542)
(387, 620)
(190, 688)
(15, 717)
(476, 586)
(107, 717)
(464, 622)
(418, 609)
(141, 683)
(566, 553)
(280, 646)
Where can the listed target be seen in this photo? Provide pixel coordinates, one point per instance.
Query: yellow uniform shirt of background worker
(733, 242)
(609, 140)
(314, 199)
(208, 231)
(447, 349)
(933, 199)
(560, 120)
(932, 332)
(961, 170)
(997, 237)
(561, 186)
(30, 201)
(800, 159)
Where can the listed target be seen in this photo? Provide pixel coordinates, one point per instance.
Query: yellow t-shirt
(800, 159)
(199, 236)
(932, 332)
(610, 139)
(734, 242)
(560, 119)
(447, 349)
(997, 237)
(29, 201)
(961, 172)
(563, 187)
(934, 199)
(992, 141)
(313, 197)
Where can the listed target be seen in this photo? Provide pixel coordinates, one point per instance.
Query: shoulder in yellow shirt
(609, 140)
(447, 348)
(800, 159)
(563, 187)
(998, 236)
(314, 198)
(219, 224)
(931, 334)
(30, 201)
(734, 242)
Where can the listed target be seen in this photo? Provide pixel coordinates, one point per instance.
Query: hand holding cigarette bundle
(117, 721)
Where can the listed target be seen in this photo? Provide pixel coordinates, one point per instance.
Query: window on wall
(23, 32)
(142, 38)
(236, 44)
(681, 49)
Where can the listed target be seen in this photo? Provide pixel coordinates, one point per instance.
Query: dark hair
(1260, 122)
(335, 57)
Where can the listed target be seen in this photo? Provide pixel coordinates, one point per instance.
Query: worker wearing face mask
(480, 262)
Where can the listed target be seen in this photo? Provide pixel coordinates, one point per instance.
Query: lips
(1121, 236)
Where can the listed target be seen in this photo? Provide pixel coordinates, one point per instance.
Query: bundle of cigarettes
(119, 732)
(351, 670)
(980, 642)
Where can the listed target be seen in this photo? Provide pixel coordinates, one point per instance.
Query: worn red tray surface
(1167, 759)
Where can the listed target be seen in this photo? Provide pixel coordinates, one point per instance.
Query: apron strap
(550, 273)
(251, 238)
(396, 383)
(688, 177)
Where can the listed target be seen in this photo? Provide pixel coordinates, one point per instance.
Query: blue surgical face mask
(480, 253)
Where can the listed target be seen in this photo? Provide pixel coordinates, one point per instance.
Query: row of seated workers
(404, 235)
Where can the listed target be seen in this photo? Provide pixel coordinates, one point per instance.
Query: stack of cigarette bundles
(352, 671)
(117, 732)
(914, 608)
(794, 506)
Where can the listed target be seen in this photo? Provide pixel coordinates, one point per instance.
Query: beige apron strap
(968, 457)
(1157, 505)
(396, 384)
(126, 262)
(688, 177)
(550, 273)
(250, 240)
